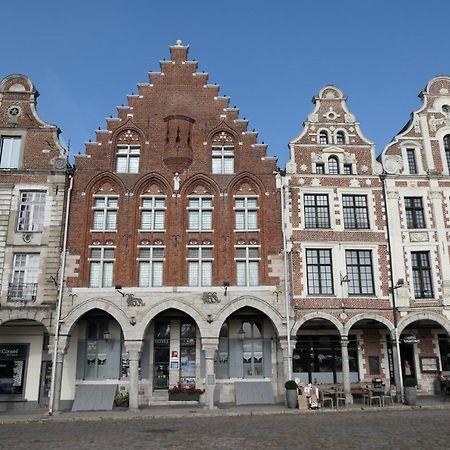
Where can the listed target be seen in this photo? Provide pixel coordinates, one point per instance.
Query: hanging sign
(410, 339)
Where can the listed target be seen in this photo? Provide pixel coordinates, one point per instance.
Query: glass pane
(144, 274)
(107, 274)
(193, 273)
(206, 273)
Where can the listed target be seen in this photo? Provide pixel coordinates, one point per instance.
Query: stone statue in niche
(176, 182)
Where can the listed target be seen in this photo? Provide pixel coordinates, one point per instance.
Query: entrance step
(94, 397)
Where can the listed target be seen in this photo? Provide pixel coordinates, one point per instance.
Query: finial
(179, 43)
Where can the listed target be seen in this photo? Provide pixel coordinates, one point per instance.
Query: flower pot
(291, 398)
(411, 395)
(184, 396)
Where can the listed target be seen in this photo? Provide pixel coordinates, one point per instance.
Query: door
(161, 355)
(46, 379)
(408, 367)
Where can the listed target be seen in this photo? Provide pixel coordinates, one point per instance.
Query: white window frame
(201, 262)
(24, 277)
(152, 260)
(247, 261)
(407, 145)
(14, 151)
(102, 261)
(440, 138)
(246, 210)
(128, 153)
(201, 211)
(106, 211)
(222, 153)
(31, 213)
(153, 208)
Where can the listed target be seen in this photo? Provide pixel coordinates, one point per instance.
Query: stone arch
(317, 315)
(222, 127)
(164, 305)
(347, 327)
(241, 179)
(148, 180)
(128, 125)
(109, 307)
(41, 317)
(253, 302)
(200, 179)
(102, 178)
(427, 315)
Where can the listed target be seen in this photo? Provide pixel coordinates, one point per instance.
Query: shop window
(252, 348)
(200, 259)
(246, 213)
(317, 213)
(444, 349)
(127, 158)
(333, 165)
(105, 213)
(10, 152)
(412, 161)
(13, 358)
(319, 271)
(151, 260)
(247, 266)
(420, 262)
(415, 216)
(200, 214)
(102, 265)
(23, 285)
(153, 213)
(221, 359)
(31, 211)
(356, 215)
(188, 333)
(359, 272)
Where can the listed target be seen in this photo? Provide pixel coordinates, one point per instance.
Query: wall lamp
(225, 285)
(277, 291)
(118, 288)
(400, 283)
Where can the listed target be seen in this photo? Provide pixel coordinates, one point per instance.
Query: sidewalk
(161, 412)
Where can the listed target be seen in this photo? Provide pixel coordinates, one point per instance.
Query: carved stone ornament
(437, 195)
(348, 158)
(313, 117)
(303, 167)
(349, 118)
(291, 167)
(391, 165)
(317, 157)
(354, 183)
(377, 168)
(418, 236)
(417, 125)
(134, 301)
(315, 182)
(210, 297)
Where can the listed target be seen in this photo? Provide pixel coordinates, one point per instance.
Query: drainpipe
(286, 275)
(392, 290)
(56, 364)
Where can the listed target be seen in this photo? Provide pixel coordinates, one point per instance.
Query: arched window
(447, 150)
(323, 137)
(222, 151)
(333, 165)
(340, 138)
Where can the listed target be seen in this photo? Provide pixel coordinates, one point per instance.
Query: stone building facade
(174, 265)
(338, 250)
(33, 175)
(416, 171)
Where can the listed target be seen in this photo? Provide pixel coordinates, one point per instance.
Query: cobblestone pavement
(414, 429)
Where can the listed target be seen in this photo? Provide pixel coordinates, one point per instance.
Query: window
(359, 272)
(10, 152)
(102, 264)
(222, 159)
(200, 213)
(252, 348)
(152, 213)
(247, 266)
(412, 163)
(348, 169)
(105, 213)
(319, 271)
(246, 213)
(316, 211)
(127, 158)
(31, 211)
(323, 137)
(447, 150)
(200, 260)
(355, 211)
(23, 286)
(415, 217)
(333, 165)
(420, 262)
(340, 138)
(151, 266)
(320, 168)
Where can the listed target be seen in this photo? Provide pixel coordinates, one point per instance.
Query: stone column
(134, 352)
(397, 368)
(346, 371)
(57, 372)
(210, 347)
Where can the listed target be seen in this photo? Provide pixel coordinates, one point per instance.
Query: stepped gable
(175, 115)
(424, 132)
(332, 129)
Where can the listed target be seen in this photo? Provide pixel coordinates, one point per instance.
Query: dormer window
(222, 153)
(320, 168)
(323, 137)
(348, 170)
(447, 150)
(333, 165)
(412, 161)
(340, 138)
(127, 158)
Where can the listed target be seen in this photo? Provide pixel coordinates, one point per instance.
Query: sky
(271, 58)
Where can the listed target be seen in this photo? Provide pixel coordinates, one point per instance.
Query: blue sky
(85, 57)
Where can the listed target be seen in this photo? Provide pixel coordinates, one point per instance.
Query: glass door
(188, 332)
(161, 355)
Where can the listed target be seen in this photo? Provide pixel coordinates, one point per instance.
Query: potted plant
(291, 393)
(185, 393)
(410, 388)
(122, 399)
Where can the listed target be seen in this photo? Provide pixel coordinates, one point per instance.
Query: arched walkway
(317, 315)
(428, 315)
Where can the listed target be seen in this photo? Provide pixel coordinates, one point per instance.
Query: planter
(411, 395)
(291, 398)
(184, 396)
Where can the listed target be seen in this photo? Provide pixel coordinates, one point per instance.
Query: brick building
(175, 259)
(338, 249)
(33, 174)
(417, 168)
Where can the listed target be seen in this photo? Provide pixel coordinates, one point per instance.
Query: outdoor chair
(389, 395)
(374, 398)
(340, 398)
(326, 399)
